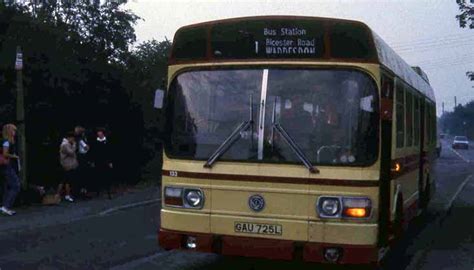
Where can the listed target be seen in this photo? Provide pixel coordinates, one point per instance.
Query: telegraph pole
(442, 106)
(20, 114)
(455, 102)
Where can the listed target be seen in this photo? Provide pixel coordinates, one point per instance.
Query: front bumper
(460, 145)
(267, 248)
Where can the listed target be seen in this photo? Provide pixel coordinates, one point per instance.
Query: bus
(293, 138)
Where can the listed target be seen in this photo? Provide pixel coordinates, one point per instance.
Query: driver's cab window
(323, 112)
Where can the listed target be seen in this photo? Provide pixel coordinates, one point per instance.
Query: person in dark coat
(82, 150)
(101, 157)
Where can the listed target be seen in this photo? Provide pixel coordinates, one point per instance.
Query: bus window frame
(399, 114)
(408, 117)
(417, 120)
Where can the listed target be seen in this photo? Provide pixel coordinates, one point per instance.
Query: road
(121, 233)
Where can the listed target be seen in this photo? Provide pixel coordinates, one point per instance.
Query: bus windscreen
(331, 115)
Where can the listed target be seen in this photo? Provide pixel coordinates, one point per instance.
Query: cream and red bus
(293, 138)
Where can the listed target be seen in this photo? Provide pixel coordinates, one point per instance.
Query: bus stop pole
(20, 116)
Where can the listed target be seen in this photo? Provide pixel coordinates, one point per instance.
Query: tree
(82, 66)
(74, 55)
(146, 72)
(147, 65)
(470, 75)
(460, 121)
(466, 19)
(466, 16)
(106, 27)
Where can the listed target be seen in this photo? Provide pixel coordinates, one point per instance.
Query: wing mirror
(159, 98)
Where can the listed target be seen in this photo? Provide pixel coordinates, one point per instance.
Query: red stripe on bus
(274, 179)
(407, 164)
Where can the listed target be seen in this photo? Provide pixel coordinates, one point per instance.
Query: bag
(3, 160)
(83, 147)
(51, 199)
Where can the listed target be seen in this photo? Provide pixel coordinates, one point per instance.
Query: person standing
(82, 145)
(82, 150)
(102, 161)
(68, 160)
(10, 170)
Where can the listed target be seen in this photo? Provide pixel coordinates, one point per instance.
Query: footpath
(37, 216)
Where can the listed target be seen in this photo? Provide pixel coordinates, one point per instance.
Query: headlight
(344, 207)
(329, 207)
(184, 197)
(193, 198)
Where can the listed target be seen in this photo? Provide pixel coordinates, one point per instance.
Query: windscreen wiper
(232, 138)
(289, 140)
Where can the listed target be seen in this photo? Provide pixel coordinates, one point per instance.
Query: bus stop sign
(19, 61)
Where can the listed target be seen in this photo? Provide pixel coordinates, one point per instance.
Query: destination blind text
(289, 41)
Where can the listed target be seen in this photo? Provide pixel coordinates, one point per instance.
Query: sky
(423, 32)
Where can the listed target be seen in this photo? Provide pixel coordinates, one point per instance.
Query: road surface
(121, 233)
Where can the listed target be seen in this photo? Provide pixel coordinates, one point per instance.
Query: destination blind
(281, 38)
(268, 39)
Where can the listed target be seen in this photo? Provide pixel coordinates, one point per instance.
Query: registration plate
(257, 228)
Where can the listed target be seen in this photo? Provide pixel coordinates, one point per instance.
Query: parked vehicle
(460, 142)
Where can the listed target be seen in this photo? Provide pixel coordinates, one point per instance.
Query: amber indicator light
(397, 167)
(355, 212)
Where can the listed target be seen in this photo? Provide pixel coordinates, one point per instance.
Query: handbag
(3, 160)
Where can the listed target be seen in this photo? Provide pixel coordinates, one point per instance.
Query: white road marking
(126, 206)
(420, 254)
(457, 153)
(460, 188)
(137, 263)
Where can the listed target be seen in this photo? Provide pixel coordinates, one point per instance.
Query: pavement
(38, 216)
(121, 233)
(91, 234)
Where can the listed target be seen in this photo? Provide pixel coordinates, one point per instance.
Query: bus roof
(390, 59)
(421, 73)
(270, 38)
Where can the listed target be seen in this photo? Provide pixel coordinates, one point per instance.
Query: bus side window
(400, 115)
(417, 121)
(428, 124)
(409, 117)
